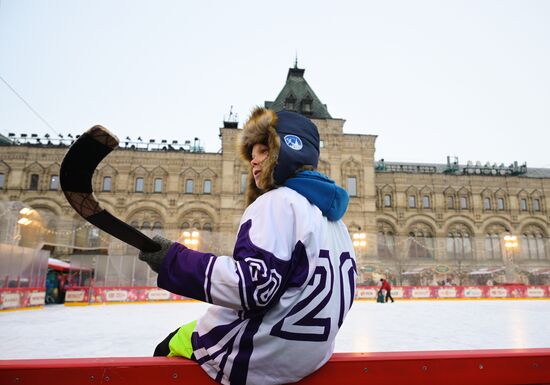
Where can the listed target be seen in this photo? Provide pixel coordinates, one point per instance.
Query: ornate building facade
(415, 223)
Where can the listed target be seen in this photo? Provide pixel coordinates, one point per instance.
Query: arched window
(107, 182)
(207, 186)
(426, 201)
(139, 184)
(420, 241)
(493, 242)
(387, 200)
(352, 186)
(386, 241)
(94, 239)
(500, 203)
(487, 203)
(463, 202)
(532, 244)
(459, 242)
(158, 185)
(34, 182)
(523, 204)
(189, 186)
(157, 228)
(54, 182)
(450, 202)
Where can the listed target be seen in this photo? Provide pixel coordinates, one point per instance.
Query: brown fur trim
(260, 128)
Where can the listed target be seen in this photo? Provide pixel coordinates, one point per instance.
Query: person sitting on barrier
(280, 299)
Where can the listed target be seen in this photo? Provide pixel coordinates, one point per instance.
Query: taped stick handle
(77, 169)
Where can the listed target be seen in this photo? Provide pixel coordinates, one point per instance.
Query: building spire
(296, 60)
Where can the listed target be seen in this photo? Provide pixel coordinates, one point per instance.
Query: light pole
(510, 244)
(191, 239)
(359, 243)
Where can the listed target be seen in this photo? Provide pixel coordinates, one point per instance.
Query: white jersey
(281, 297)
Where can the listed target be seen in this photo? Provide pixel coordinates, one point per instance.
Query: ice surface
(133, 330)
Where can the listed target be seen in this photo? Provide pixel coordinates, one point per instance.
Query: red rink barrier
(14, 298)
(85, 295)
(491, 367)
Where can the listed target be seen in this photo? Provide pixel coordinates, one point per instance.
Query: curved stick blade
(77, 169)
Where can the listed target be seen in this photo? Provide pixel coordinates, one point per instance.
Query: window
(420, 245)
(207, 186)
(532, 246)
(139, 184)
(106, 183)
(157, 228)
(306, 107)
(487, 203)
(158, 185)
(426, 201)
(450, 202)
(500, 203)
(2, 180)
(54, 182)
(412, 201)
(189, 186)
(492, 246)
(536, 205)
(387, 200)
(352, 186)
(463, 202)
(243, 183)
(94, 238)
(34, 182)
(523, 204)
(290, 103)
(533, 243)
(459, 244)
(386, 244)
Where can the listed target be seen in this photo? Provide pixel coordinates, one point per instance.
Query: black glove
(154, 259)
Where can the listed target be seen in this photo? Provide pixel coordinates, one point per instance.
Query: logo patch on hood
(293, 142)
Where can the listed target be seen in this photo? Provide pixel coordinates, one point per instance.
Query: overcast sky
(430, 78)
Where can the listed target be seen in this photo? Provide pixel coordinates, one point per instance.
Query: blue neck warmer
(330, 198)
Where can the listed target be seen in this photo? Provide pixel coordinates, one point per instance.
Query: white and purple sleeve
(267, 259)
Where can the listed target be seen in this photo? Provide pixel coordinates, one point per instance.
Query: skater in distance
(387, 288)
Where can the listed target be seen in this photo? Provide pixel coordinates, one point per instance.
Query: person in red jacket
(387, 287)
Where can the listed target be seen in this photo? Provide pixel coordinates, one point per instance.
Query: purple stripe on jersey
(242, 294)
(214, 335)
(209, 270)
(183, 271)
(246, 346)
(352, 271)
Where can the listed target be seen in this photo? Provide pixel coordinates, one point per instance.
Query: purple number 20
(301, 323)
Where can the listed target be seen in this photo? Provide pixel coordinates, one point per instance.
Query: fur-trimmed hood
(292, 141)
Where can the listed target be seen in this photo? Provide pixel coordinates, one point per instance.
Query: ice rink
(132, 330)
